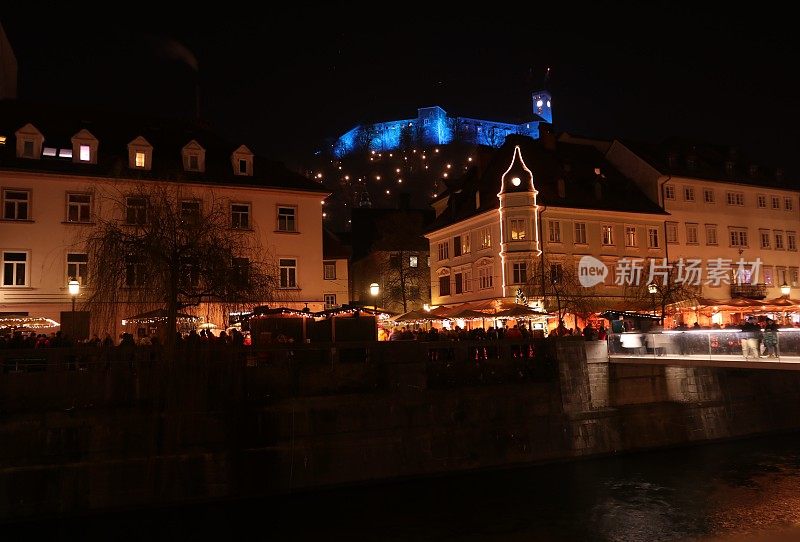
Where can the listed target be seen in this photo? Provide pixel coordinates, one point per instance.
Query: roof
(389, 229)
(688, 158)
(114, 131)
(582, 167)
(332, 246)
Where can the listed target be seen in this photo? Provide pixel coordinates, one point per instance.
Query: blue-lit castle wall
(433, 127)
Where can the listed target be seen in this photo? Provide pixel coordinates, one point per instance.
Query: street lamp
(785, 290)
(653, 289)
(374, 288)
(74, 288)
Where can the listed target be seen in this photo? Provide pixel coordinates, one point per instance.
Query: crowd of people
(58, 339)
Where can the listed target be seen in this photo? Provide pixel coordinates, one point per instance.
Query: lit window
(485, 277)
(288, 268)
(652, 237)
(607, 235)
(49, 151)
(486, 237)
(630, 236)
(139, 160)
(2, 140)
(190, 212)
(330, 301)
(15, 268)
(517, 227)
(79, 207)
(65, 153)
(413, 261)
(240, 216)
(85, 153)
(16, 204)
(329, 270)
(287, 221)
(78, 267)
(580, 233)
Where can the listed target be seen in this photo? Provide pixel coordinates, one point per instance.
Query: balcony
(749, 291)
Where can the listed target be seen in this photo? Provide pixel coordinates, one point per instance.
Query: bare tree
(558, 286)
(402, 254)
(658, 290)
(161, 246)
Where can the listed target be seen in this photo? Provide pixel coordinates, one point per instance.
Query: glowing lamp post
(74, 288)
(653, 289)
(785, 290)
(374, 289)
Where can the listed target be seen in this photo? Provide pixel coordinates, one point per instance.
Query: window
(485, 277)
(242, 166)
(556, 273)
(652, 237)
(16, 204)
(467, 281)
(15, 268)
(688, 193)
(330, 300)
(768, 276)
(240, 216)
(738, 237)
(27, 149)
(762, 201)
(65, 153)
(49, 151)
(444, 285)
(554, 231)
(79, 207)
(735, 198)
(287, 219)
(136, 211)
(241, 272)
(580, 233)
(139, 159)
(190, 212)
(329, 270)
(607, 235)
(669, 192)
(793, 276)
(519, 273)
(190, 272)
(776, 202)
(413, 261)
(78, 267)
(630, 236)
(672, 232)
(517, 227)
(288, 268)
(459, 281)
(135, 271)
(444, 250)
(456, 246)
(778, 240)
(193, 162)
(791, 240)
(85, 153)
(486, 237)
(465, 245)
(788, 204)
(764, 237)
(691, 234)
(711, 234)
(708, 195)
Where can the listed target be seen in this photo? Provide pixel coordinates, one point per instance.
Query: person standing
(771, 338)
(749, 338)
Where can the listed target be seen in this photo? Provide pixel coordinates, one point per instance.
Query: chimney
(546, 136)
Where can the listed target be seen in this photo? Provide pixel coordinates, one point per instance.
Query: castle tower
(542, 105)
(519, 225)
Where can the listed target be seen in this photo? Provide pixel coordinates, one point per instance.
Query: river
(739, 490)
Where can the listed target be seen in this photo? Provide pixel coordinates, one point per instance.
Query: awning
(158, 315)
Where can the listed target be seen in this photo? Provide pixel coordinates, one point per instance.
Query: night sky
(284, 82)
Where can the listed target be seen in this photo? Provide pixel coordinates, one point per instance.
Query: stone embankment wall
(78, 439)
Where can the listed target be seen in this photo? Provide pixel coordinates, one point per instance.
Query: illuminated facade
(57, 178)
(433, 126)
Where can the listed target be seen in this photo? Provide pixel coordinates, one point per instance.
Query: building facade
(59, 176)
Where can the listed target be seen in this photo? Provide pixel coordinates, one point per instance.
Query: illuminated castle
(433, 126)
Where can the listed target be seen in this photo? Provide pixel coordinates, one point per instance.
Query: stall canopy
(158, 315)
(415, 315)
(27, 322)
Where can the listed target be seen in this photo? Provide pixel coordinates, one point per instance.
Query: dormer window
(242, 161)
(49, 151)
(729, 167)
(2, 140)
(193, 157)
(84, 148)
(753, 170)
(29, 142)
(140, 154)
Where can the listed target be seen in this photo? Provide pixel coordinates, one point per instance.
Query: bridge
(729, 348)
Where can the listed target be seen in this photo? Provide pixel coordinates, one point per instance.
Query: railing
(749, 291)
(709, 344)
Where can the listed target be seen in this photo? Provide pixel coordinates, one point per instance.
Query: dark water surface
(742, 489)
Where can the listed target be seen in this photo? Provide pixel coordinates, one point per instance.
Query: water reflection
(699, 493)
